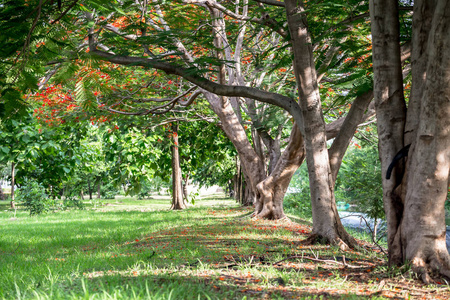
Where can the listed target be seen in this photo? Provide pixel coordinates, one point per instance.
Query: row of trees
(77, 157)
(242, 58)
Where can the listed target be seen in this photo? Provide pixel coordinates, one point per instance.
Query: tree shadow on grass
(210, 255)
(205, 286)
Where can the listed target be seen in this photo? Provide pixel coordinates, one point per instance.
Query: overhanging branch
(282, 101)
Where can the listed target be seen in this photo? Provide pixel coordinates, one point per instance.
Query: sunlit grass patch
(212, 250)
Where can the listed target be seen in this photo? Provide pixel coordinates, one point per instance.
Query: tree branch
(271, 2)
(284, 102)
(353, 119)
(64, 12)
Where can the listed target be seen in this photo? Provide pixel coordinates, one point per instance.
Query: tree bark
(417, 224)
(99, 185)
(177, 194)
(13, 183)
(327, 226)
(237, 180)
(422, 18)
(271, 191)
(390, 108)
(241, 188)
(248, 195)
(90, 188)
(346, 131)
(185, 192)
(252, 165)
(423, 229)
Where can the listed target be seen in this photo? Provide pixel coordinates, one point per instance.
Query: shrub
(32, 195)
(72, 202)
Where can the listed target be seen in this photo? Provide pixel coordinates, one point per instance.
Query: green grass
(94, 253)
(138, 249)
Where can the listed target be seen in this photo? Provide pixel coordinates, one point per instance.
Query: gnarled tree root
(315, 238)
(438, 263)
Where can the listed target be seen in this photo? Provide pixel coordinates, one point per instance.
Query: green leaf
(5, 149)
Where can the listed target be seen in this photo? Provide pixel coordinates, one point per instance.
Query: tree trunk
(258, 146)
(237, 180)
(347, 130)
(177, 194)
(248, 196)
(234, 192)
(271, 191)
(252, 166)
(185, 184)
(13, 183)
(417, 229)
(99, 185)
(241, 189)
(423, 229)
(90, 188)
(391, 110)
(327, 226)
(272, 144)
(230, 191)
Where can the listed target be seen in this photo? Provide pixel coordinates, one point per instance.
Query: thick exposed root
(268, 214)
(267, 208)
(178, 207)
(438, 263)
(320, 239)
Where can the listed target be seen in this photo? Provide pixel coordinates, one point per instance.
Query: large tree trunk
(177, 194)
(327, 226)
(252, 165)
(417, 233)
(271, 191)
(247, 194)
(391, 110)
(423, 229)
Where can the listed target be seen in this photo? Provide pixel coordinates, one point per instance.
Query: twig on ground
(415, 289)
(320, 260)
(238, 278)
(13, 252)
(316, 256)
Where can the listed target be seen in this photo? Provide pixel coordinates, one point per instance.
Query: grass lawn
(138, 249)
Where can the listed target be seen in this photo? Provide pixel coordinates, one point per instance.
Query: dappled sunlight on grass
(211, 250)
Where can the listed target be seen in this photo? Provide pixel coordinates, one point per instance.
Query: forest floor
(137, 249)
